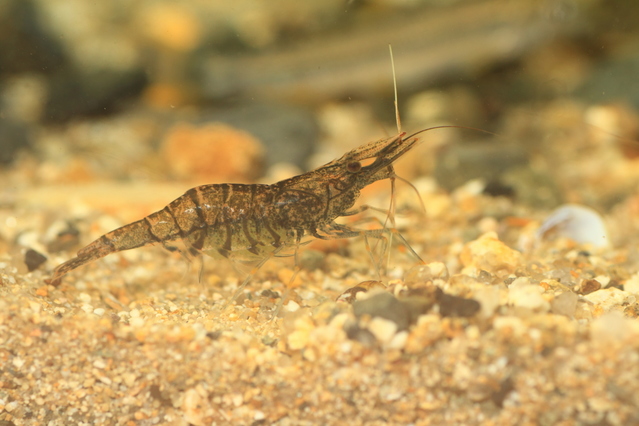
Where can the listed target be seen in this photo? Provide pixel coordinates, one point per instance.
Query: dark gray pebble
(33, 259)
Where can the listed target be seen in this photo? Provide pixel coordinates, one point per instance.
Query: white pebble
(292, 306)
(489, 298)
(398, 341)
(607, 298)
(137, 322)
(237, 399)
(105, 380)
(11, 406)
(579, 223)
(611, 326)
(632, 284)
(603, 280)
(528, 296)
(382, 329)
(18, 362)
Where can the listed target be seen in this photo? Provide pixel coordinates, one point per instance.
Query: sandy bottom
(497, 327)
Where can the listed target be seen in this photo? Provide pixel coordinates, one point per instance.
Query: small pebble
(398, 341)
(292, 306)
(607, 298)
(610, 327)
(528, 296)
(11, 406)
(426, 273)
(588, 286)
(489, 254)
(384, 305)
(565, 304)
(455, 306)
(382, 329)
(632, 284)
(99, 363)
(33, 259)
(488, 298)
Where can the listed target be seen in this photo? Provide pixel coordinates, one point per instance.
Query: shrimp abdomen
(159, 227)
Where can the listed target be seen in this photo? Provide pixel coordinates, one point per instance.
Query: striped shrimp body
(255, 222)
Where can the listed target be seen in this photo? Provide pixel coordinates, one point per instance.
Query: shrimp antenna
(397, 119)
(391, 211)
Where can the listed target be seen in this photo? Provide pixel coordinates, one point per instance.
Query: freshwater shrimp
(252, 223)
(256, 222)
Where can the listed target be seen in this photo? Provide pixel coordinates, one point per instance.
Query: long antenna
(391, 210)
(397, 119)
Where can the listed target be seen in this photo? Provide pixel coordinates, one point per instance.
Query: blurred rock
(556, 69)
(14, 136)
(22, 97)
(612, 80)
(496, 188)
(362, 335)
(289, 133)
(429, 39)
(488, 161)
(611, 328)
(455, 306)
(212, 153)
(74, 93)
(62, 236)
(170, 25)
(311, 259)
(117, 147)
(25, 44)
(384, 305)
(532, 187)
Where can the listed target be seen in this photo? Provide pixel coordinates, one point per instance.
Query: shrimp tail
(133, 235)
(97, 249)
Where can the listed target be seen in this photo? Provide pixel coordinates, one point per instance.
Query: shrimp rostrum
(256, 222)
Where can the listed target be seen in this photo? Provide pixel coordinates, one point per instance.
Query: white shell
(579, 223)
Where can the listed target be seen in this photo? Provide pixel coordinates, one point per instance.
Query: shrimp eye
(354, 167)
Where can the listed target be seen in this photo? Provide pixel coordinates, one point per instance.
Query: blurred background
(246, 91)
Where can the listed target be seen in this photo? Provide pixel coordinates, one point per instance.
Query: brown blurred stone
(212, 153)
(589, 286)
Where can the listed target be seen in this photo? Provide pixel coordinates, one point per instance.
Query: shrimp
(252, 223)
(256, 222)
